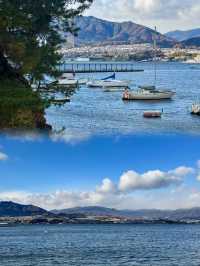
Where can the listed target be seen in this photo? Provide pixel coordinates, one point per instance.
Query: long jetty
(94, 67)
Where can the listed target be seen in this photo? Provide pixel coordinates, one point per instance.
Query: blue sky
(167, 15)
(110, 171)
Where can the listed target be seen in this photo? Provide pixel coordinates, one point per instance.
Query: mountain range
(193, 213)
(180, 36)
(191, 42)
(93, 30)
(11, 209)
(8, 208)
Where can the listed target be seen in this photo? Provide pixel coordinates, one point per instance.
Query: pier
(94, 67)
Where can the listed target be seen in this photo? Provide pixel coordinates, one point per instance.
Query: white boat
(195, 110)
(67, 79)
(82, 81)
(147, 93)
(108, 82)
(114, 89)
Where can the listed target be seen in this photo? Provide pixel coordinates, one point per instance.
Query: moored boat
(152, 114)
(108, 82)
(195, 110)
(147, 93)
(67, 80)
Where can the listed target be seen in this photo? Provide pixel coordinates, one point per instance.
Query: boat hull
(106, 84)
(150, 97)
(152, 114)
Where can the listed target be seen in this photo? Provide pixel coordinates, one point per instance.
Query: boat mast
(155, 58)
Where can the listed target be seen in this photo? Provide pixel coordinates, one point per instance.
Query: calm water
(113, 245)
(93, 111)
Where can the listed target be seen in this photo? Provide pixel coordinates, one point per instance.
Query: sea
(95, 112)
(100, 245)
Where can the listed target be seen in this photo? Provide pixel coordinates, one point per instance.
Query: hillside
(183, 35)
(11, 209)
(193, 213)
(8, 208)
(193, 42)
(98, 31)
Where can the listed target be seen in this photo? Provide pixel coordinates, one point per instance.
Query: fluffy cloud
(131, 180)
(122, 195)
(150, 12)
(107, 187)
(3, 156)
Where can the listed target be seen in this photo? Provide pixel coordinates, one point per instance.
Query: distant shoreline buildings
(135, 52)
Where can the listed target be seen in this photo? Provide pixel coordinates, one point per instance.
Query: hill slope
(183, 35)
(193, 213)
(192, 42)
(95, 31)
(8, 208)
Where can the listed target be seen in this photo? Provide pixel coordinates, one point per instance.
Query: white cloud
(126, 194)
(131, 180)
(167, 15)
(107, 187)
(3, 156)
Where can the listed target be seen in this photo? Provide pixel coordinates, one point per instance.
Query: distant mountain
(193, 213)
(98, 31)
(183, 35)
(11, 209)
(8, 208)
(194, 42)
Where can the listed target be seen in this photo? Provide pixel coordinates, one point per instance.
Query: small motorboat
(60, 100)
(82, 81)
(152, 114)
(114, 89)
(67, 79)
(195, 110)
(108, 82)
(147, 93)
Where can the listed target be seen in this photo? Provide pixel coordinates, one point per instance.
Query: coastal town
(136, 52)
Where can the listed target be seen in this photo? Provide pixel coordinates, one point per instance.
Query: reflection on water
(93, 111)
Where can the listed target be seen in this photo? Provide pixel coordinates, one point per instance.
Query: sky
(166, 15)
(126, 172)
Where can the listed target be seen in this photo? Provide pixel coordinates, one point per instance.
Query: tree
(30, 35)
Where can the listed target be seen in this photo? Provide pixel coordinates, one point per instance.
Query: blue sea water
(100, 245)
(95, 112)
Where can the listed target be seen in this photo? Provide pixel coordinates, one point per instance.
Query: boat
(108, 82)
(67, 79)
(5, 224)
(195, 110)
(114, 89)
(60, 101)
(152, 114)
(82, 81)
(147, 93)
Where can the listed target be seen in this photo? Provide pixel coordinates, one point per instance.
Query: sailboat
(108, 82)
(149, 92)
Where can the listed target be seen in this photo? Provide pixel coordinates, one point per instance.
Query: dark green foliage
(30, 34)
(20, 107)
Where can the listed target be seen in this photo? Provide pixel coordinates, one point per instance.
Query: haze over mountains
(98, 31)
(183, 35)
